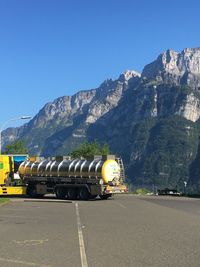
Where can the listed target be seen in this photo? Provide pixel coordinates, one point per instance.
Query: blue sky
(51, 48)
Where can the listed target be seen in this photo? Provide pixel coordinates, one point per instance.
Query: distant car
(168, 191)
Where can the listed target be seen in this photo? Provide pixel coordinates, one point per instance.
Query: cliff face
(179, 69)
(61, 125)
(137, 115)
(176, 68)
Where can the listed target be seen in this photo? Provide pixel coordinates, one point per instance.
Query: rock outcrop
(176, 68)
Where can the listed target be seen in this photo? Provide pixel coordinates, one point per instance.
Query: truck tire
(31, 191)
(72, 193)
(84, 193)
(61, 193)
(104, 197)
(93, 196)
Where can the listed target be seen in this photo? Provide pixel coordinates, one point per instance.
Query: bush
(90, 149)
(142, 191)
(17, 147)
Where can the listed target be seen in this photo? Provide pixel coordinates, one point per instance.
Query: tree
(90, 149)
(17, 147)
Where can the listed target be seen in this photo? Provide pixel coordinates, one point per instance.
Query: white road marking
(31, 242)
(23, 262)
(121, 205)
(81, 241)
(14, 216)
(24, 209)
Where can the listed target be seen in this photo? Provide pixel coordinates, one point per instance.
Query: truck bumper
(115, 189)
(12, 190)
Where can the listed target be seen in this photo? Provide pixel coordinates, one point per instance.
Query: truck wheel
(93, 196)
(104, 197)
(31, 191)
(72, 193)
(84, 194)
(61, 193)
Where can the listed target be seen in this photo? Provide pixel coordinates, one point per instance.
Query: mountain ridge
(166, 93)
(176, 68)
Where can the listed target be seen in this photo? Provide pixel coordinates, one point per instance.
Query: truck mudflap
(115, 189)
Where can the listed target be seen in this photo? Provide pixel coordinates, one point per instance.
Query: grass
(3, 200)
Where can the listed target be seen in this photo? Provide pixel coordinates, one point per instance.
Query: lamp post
(15, 119)
(185, 185)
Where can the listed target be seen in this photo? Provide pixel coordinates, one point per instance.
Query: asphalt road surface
(124, 231)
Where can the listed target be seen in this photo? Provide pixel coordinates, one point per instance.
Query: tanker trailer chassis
(74, 178)
(67, 188)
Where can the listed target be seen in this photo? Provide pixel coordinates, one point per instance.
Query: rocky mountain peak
(128, 74)
(176, 68)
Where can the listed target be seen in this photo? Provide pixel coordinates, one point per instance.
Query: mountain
(153, 131)
(61, 125)
(176, 68)
(150, 119)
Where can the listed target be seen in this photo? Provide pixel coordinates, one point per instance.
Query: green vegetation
(17, 147)
(194, 182)
(90, 149)
(3, 200)
(164, 150)
(142, 191)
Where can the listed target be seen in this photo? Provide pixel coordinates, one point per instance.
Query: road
(124, 231)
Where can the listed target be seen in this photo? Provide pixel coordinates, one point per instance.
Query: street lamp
(185, 185)
(15, 119)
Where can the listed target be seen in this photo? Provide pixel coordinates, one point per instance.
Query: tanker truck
(73, 178)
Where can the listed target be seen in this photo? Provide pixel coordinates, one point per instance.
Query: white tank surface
(105, 168)
(110, 171)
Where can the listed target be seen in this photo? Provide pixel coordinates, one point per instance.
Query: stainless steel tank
(100, 168)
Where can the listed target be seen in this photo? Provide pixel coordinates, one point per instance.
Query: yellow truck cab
(10, 182)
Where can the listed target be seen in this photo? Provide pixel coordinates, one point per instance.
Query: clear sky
(51, 48)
